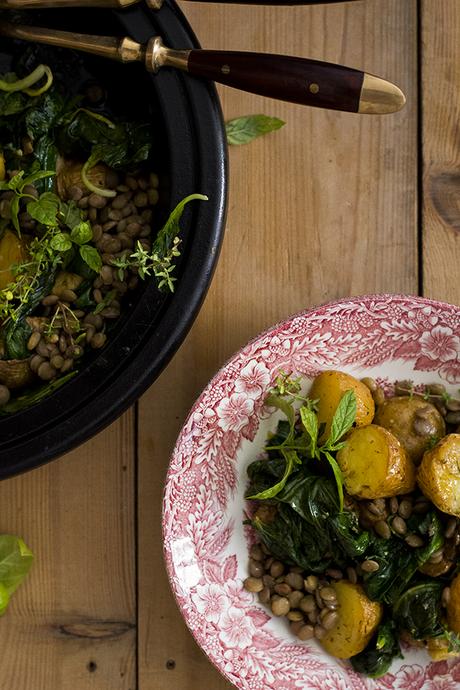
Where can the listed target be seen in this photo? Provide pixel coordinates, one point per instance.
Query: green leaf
(16, 182)
(337, 475)
(61, 242)
(171, 228)
(81, 233)
(15, 562)
(33, 397)
(14, 211)
(38, 175)
(242, 130)
(276, 401)
(344, 418)
(91, 257)
(71, 214)
(310, 423)
(292, 459)
(45, 209)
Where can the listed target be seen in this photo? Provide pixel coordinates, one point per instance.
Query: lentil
(253, 584)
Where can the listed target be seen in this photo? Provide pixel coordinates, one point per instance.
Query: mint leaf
(242, 130)
(15, 562)
(81, 233)
(281, 404)
(310, 423)
(292, 459)
(61, 242)
(344, 418)
(91, 257)
(337, 475)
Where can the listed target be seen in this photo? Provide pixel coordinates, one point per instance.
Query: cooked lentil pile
(78, 230)
(356, 505)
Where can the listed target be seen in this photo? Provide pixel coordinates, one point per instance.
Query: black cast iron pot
(190, 156)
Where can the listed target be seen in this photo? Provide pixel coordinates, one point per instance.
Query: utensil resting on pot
(293, 79)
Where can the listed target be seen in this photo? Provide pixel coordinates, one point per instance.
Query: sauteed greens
(77, 219)
(352, 550)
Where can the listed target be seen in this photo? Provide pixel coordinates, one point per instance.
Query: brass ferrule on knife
(158, 55)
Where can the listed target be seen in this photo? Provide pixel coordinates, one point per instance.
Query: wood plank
(325, 207)
(72, 624)
(441, 150)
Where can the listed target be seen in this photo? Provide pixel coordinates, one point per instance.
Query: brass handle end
(379, 96)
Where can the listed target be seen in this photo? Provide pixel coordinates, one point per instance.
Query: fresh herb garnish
(282, 396)
(159, 260)
(242, 130)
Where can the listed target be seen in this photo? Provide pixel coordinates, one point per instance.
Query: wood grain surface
(326, 207)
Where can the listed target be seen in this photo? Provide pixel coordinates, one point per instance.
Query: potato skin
(375, 465)
(358, 619)
(329, 387)
(11, 252)
(399, 414)
(439, 475)
(453, 607)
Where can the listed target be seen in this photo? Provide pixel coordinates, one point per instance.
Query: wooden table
(329, 206)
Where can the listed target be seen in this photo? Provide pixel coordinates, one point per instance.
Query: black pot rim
(141, 349)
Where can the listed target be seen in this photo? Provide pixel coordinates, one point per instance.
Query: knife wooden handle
(298, 80)
(277, 2)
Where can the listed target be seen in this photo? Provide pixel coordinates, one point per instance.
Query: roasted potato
(358, 619)
(329, 387)
(375, 465)
(12, 251)
(439, 474)
(413, 421)
(438, 649)
(15, 373)
(453, 606)
(69, 176)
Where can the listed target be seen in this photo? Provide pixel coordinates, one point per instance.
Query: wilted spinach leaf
(375, 660)
(418, 610)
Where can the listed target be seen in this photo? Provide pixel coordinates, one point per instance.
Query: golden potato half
(329, 387)
(439, 474)
(358, 620)
(375, 465)
(413, 421)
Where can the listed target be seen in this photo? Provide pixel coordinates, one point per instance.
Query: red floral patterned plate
(388, 337)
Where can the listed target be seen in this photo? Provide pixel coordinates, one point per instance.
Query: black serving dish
(191, 156)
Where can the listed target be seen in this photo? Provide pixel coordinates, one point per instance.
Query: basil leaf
(242, 130)
(91, 257)
(38, 175)
(344, 418)
(291, 459)
(337, 475)
(310, 423)
(45, 209)
(72, 215)
(16, 181)
(81, 233)
(61, 242)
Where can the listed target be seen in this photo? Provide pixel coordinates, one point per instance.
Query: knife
(286, 78)
(153, 4)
